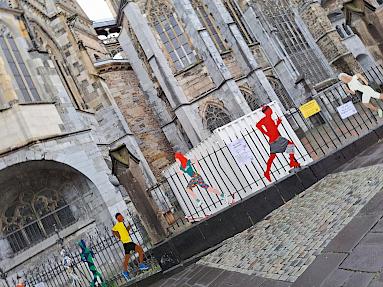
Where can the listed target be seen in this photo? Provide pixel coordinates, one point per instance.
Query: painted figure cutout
(68, 265)
(20, 281)
(122, 233)
(353, 85)
(196, 179)
(87, 257)
(278, 144)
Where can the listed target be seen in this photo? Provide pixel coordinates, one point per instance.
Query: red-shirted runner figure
(278, 144)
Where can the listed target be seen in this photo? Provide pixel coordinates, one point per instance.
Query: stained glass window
(163, 19)
(216, 117)
(17, 66)
(210, 24)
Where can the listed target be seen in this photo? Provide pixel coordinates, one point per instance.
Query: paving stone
(372, 239)
(320, 270)
(368, 258)
(350, 235)
(374, 206)
(272, 283)
(337, 279)
(378, 227)
(359, 280)
(377, 282)
(210, 276)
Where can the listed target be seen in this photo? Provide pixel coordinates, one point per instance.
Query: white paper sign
(41, 284)
(241, 152)
(347, 110)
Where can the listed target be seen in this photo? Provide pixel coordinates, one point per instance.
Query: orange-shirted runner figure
(278, 144)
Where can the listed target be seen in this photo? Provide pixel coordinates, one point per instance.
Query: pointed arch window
(281, 92)
(280, 15)
(235, 12)
(251, 99)
(210, 24)
(215, 117)
(20, 72)
(163, 19)
(33, 217)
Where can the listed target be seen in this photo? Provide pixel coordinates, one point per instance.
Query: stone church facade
(93, 112)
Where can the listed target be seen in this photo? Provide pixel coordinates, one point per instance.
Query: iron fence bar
(261, 177)
(236, 138)
(334, 115)
(207, 179)
(223, 170)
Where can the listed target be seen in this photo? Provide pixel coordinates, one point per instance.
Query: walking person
(196, 179)
(353, 85)
(278, 144)
(121, 231)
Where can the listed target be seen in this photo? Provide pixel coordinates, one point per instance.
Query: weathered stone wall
(125, 88)
(232, 64)
(195, 81)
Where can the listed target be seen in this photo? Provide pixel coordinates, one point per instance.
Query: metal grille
(279, 14)
(108, 255)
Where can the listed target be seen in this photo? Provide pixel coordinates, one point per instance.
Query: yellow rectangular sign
(309, 109)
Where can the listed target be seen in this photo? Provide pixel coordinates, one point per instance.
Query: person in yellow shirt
(122, 233)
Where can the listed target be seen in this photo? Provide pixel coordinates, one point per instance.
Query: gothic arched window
(13, 57)
(210, 24)
(340, 31)
(215, 117)
(237, 16)
(281, 92)
(279, 15)
(163, 19)
(251, 99)
(33, 217)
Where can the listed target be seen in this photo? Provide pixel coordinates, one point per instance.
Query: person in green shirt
(196, 179)
(122, 233)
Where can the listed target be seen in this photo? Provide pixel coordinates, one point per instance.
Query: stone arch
(49, 44)
(364, 61)
(215, 115)
(40, 196)
(251, 99)
(281, 92)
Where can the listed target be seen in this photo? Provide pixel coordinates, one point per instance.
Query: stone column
(187, 115)
(213, 60)
(168, 126)
(256, 78)
(326, 37)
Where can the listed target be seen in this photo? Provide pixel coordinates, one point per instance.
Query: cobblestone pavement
(203, 276)
(283, 245)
